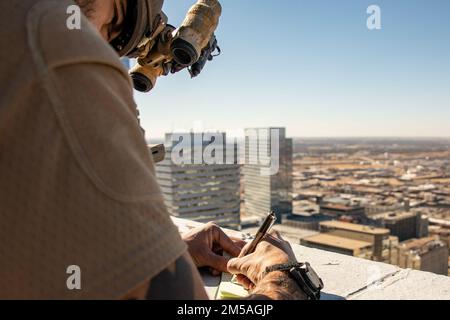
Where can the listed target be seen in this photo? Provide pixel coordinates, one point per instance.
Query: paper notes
(229, 289)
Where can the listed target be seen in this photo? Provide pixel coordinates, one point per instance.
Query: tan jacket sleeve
(86, 193)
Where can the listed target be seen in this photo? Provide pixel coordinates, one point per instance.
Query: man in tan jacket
(77, 183)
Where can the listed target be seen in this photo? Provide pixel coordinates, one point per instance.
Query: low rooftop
(394, 216)
(339, 207)
(354, 227)
(338, 242)
(423, 245)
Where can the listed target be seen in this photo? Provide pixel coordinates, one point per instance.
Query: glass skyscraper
(267, 184)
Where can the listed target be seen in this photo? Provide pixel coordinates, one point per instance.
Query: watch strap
(282, 267)
(294, 271)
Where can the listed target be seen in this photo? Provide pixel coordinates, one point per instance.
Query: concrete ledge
(411, 285)
(343, 276)
(352, 278)
(349, 278)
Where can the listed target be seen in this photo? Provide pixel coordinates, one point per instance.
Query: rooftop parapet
(350, 278)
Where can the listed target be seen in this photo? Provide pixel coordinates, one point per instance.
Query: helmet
(142, 19)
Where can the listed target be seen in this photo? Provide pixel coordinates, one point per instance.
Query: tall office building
(196, 188)
(267, 172)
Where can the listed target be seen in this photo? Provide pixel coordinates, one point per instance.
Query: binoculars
(170, 49)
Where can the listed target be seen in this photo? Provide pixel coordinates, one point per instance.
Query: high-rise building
(198, 189)
(267, 172)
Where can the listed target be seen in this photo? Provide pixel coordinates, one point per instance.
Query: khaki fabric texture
(77, 183)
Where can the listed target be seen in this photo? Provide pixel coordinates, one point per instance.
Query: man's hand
(250, 270)
(206, 245)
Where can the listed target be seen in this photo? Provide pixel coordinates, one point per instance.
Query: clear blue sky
(314, 67)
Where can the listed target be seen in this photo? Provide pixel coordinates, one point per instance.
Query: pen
(262, 231)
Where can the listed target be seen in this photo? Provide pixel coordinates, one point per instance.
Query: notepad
(229, 289)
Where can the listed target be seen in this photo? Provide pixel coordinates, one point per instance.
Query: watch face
(313, 277)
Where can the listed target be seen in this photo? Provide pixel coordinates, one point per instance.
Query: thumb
(234, 266)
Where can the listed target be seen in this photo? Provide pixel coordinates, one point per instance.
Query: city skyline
(326, 75)
(387, 202)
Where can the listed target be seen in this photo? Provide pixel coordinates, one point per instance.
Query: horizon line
(352, 137)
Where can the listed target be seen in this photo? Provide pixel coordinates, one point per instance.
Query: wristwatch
(304, 275)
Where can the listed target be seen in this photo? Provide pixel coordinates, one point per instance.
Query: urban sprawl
(386, 200)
